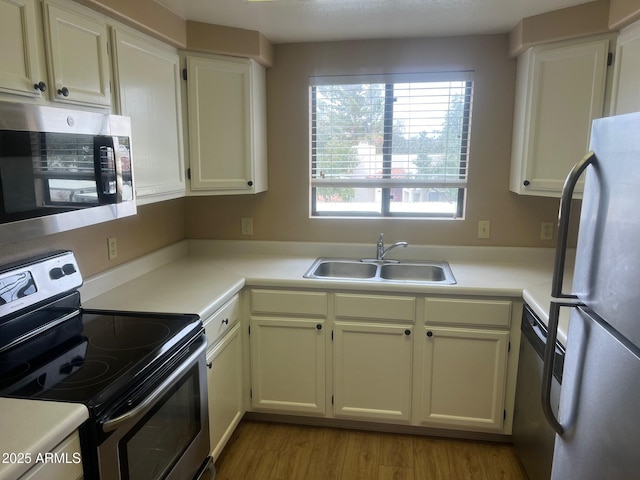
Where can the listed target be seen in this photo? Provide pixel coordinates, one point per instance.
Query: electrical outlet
(484, 229)
(246, 225)
(546, 231)
(112, 244)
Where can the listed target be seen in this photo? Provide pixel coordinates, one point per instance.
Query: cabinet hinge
(332, 335)
(609, 59)
(331, 399)
(509, 347)
(504, 414)
(251, 393)
(184, 73)
(249, 329)
(189, 173)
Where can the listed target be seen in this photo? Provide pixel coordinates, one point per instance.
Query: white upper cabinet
(21, 71)
(625, 97)
(77, 54)
(147, 80)
(560, 89)
(227, 125)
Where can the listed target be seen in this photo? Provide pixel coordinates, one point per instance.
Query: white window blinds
(391, 130)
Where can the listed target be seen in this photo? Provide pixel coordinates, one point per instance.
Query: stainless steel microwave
(62, 169)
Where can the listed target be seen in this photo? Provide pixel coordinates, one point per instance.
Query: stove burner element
(122, 334)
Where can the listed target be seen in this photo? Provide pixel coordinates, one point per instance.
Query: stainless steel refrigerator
(598, 422)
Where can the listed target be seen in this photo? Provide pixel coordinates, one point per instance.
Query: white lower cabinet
(225, 374)
(224, 382)
(288, 341)
(287, 365)
(366, 355)
(372, 371)
(463, 377)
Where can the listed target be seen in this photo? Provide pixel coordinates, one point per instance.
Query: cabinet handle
(209, 365)
(64, 91)
(407, 332)
(40, 86)
(250, 183)
(429, 333)
(225, 321)
(526, 183)
(319, 326)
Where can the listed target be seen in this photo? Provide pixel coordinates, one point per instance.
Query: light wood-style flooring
(267, 451)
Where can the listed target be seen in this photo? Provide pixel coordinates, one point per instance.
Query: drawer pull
(407, 332)
(319, 326)
(429, 333)
(209, 365)
(225, 321)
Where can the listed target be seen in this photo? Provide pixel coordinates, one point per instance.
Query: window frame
(387, 148)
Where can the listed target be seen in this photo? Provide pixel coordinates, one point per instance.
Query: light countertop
(33, 427)
(205, 274)
(200, 276)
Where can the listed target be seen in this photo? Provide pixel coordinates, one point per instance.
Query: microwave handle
(106, 169)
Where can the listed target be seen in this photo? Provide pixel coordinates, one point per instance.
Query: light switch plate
(484, 229)
(112, 244)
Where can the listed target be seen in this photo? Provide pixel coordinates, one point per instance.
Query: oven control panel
(36, 280)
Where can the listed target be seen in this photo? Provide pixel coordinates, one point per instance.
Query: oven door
(165, 433)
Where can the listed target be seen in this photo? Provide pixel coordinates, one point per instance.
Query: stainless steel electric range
(142, 376)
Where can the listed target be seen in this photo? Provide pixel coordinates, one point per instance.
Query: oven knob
(56, 273)
(69, 268)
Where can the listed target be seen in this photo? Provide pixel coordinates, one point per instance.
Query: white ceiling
(285, 21)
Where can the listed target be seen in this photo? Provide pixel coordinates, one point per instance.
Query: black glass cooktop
(93, 357)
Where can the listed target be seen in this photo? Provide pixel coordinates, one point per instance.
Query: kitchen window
(390, 145)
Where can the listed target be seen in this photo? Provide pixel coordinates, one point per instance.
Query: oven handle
(113, 424)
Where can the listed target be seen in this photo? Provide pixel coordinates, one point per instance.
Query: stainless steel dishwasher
(533, 437)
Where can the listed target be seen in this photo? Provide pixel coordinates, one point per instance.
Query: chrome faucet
(381, 252)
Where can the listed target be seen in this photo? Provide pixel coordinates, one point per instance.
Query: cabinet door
(559, 91)
(20, 56)
(224, 389)
(226, 126)
(464, 375)
(147, 76)
(373, 365)
(77, 55)
(626, 88)
(288, 365)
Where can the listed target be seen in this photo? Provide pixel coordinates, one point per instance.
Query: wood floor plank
(362, 457)
(465, 462)
(269, 451)
(386, 472)
(328, 455)
(397, 450)
(431, 459)
(500, 462)
(294, 457)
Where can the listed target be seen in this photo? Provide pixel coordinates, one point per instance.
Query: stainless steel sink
(345, 269)
(381, 271)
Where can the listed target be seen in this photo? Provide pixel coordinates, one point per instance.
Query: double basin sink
(381, 271)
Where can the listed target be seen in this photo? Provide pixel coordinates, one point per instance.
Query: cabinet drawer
(495, 313)
(220, 322)
(70, 468)
(375, 307)
(289, 302)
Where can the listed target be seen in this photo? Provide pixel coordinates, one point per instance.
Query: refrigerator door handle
(564, 214)
(549, 354)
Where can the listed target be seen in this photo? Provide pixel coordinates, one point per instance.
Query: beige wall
(155, 226)
(623, 13)
(282, 213)
(585, 19)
